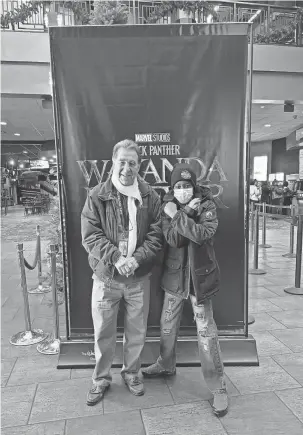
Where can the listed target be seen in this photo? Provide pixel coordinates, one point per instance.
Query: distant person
(265, 192)
(254, 192)
(287, 197)
(277, 196)
(121, 231)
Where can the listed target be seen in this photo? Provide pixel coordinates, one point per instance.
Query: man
(189, 222)
(121, 231)
(254, 191)
(276, 197)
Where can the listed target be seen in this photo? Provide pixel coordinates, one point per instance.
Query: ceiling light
(43, 158)
(16, 134)
(3, 123)
(12, 162)
(267, 125)
(262, 107)
(24, 152)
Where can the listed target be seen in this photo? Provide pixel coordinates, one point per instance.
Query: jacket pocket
(93, 262)
(208, 277)
(172, 275)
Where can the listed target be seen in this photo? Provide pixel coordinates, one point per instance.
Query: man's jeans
(209, 348)
(105, 305)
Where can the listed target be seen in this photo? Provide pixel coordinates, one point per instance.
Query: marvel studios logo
(152, 137)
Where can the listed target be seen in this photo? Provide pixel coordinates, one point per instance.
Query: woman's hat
(182, 172)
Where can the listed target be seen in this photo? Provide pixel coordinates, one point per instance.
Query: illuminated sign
(39, 164)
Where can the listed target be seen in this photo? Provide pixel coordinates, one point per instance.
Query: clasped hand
(170, 209)
(126, 265)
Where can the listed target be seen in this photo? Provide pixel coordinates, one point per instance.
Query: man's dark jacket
(99, 227)
(190, 259)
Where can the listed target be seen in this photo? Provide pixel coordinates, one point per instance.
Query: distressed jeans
(105, 305)
(208, 342)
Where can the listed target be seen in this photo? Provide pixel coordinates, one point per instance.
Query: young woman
(189, 222)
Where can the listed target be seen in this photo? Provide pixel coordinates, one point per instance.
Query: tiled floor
(37, 399)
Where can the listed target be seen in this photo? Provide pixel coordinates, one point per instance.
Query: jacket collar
(107, 189)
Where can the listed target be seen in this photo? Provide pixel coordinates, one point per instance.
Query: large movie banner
(179, 92)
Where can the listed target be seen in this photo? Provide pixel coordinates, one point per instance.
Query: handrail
(255, 5)
(273, 17)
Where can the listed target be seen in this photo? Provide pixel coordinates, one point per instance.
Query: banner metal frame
(231, 343)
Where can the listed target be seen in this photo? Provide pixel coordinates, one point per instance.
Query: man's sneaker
(134, 384)
(96, 394)
(156, 370)
(220, 402)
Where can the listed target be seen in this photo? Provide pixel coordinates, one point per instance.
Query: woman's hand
(170, 209)
(194, 203)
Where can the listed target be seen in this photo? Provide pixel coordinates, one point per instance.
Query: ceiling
(34, 123)
(282, 124)
(27, 117)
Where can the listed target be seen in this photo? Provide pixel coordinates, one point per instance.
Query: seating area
(37, 204)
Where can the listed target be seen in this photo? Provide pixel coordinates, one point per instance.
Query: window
(260, 168)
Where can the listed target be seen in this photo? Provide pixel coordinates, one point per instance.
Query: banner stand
(239, 351)
(238, 347)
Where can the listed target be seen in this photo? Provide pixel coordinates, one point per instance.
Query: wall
(263, 148)
(283, 160)
(278, 70)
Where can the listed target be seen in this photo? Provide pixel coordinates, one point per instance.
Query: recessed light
(16, 134)
(267, 125)
(3, 123)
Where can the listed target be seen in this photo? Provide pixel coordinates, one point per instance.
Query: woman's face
(183, 191)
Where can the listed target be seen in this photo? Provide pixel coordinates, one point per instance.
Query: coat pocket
(208, 277)
(172, 275)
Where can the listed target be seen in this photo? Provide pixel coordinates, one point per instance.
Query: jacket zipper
(189, 272)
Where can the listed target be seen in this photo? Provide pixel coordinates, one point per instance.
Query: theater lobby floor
(38, 399)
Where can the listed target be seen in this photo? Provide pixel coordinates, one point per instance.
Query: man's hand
(170, 209)
(194, 203)
(132, 263)
(126, 266)
(120, 264)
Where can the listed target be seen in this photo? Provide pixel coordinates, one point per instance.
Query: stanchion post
(252, 211)
(29, 336)
(41, 288)
(51, 346)
(255, 270)
(297, 289)
(41, 277)
(291, 254)
(264, 244)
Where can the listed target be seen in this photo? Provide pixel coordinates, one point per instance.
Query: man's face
(126, 166)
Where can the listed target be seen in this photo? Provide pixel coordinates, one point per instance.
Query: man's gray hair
(127, 144)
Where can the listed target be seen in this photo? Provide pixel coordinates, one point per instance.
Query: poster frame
(250, 357)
